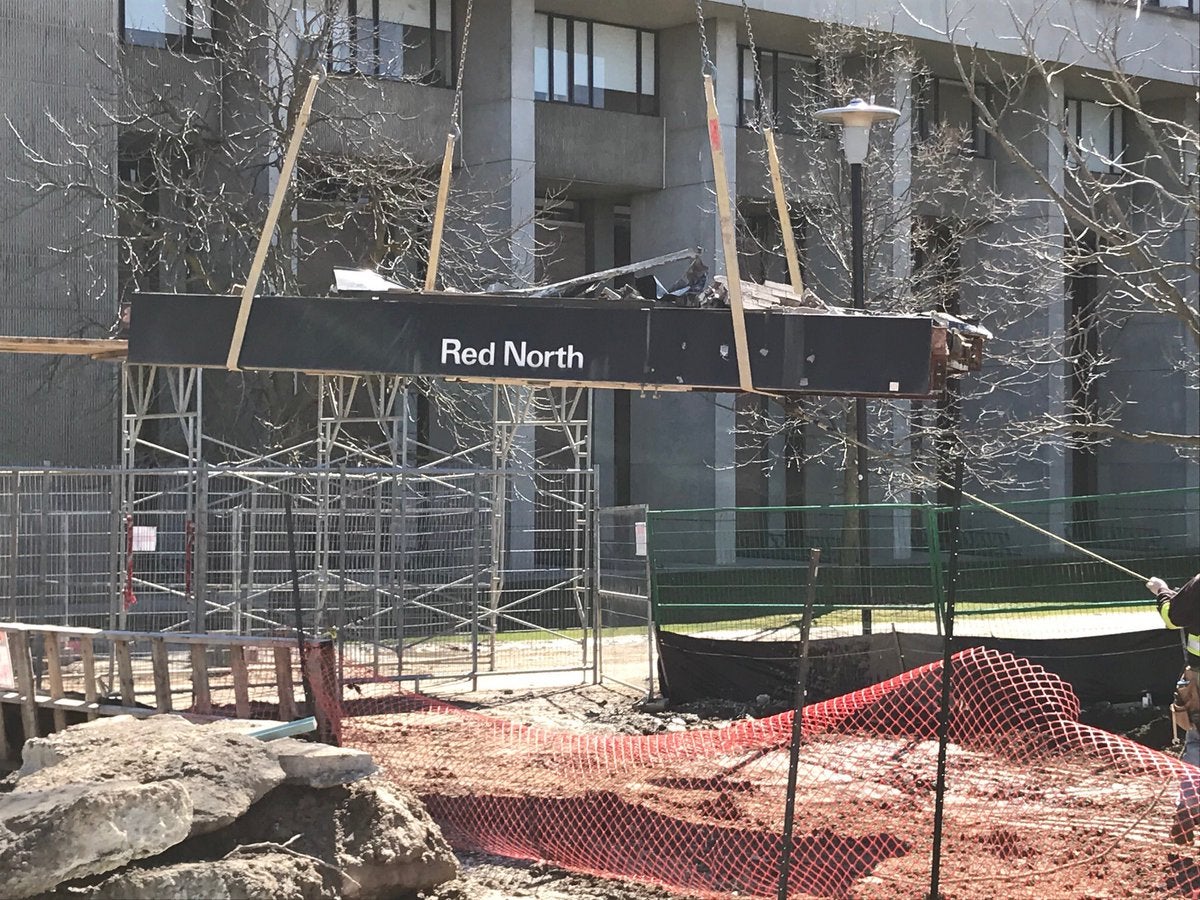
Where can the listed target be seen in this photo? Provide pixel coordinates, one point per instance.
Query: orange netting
(1037, 804)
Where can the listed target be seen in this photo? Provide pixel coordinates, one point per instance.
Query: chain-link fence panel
(626, 638)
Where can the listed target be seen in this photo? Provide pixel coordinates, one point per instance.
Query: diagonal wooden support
(264, 239)
(728, 240)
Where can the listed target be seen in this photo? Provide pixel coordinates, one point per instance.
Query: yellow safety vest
(1193, 640)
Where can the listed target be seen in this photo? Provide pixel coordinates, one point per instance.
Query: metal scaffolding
(520, 484)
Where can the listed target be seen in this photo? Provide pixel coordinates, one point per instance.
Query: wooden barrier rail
(96, 696)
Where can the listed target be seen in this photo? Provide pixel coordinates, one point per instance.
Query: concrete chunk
(319, 765)
(72, 831)
(224, 772)
(261, 876)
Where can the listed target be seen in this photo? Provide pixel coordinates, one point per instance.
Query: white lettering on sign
(518, 354)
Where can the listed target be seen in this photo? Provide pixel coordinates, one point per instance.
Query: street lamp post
(856, 119)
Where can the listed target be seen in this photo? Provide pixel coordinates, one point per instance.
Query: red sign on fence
(7, 681)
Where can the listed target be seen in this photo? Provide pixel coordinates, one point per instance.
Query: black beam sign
(491, 338)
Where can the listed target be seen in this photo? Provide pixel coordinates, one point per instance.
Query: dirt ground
(1051, 859)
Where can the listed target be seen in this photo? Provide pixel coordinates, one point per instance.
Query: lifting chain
(762, 111)
(706, 64)
(462, 65)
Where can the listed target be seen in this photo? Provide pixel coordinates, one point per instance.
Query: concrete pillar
(682, 452)
(599, 231)
(498, 132)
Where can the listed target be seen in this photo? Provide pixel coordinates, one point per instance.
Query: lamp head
(856, 119)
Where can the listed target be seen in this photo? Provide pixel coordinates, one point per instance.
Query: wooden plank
(285, 684)
(785, 215)
(241, 682)
(23, 669)
(439, 215)
(87, 651)
(314, 664)
(125, 673)
(268, 231)
(54, 673)
(63, 346)
(162, 674)
(728, 239)
(201, 696)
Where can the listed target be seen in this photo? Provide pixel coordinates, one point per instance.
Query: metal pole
(200, 553)
(947, 663)
(290, 526)
(858, 290)
(789, 814)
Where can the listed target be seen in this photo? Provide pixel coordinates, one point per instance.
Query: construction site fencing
(975, 766)
(413, 573)
(741, 573)
(625, 625)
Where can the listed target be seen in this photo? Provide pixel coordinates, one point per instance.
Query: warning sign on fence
(145, 538)
(7, 682)
(639, 538)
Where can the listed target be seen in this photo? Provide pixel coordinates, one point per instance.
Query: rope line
(824, 426)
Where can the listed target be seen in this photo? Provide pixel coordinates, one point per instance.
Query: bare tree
(203, 123)
(944, 235)
(1127, 191)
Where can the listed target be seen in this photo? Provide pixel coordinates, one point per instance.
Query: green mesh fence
(742, 573)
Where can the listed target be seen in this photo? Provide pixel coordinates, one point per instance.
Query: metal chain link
(761, 110)
(462, 65)
(707, 67)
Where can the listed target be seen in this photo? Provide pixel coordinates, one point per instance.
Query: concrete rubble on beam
(162, 808)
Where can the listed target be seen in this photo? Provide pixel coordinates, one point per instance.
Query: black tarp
(1118, 668)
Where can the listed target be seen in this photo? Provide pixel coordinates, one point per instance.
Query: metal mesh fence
(626, 642)
(416, 573)
(741, 573)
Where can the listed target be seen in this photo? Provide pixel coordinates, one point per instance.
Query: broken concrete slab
(381, 839)
(250, 876)
(74, 830)
(224, 772)
(319, 765)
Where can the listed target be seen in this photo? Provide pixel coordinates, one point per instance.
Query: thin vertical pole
(200, 555)
(476, 541)
(789, 813)
(299, 612)
(947, 663)
(858, 290)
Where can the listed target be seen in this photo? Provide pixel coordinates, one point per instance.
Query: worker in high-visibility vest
(1181, 609)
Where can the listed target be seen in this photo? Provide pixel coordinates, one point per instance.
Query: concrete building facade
(600, 106)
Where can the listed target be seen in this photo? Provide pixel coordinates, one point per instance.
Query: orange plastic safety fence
(1037, 804)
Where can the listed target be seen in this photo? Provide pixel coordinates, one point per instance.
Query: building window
(761, 256)
(784, 77)
(592, 64)
(946, 106)
(1096, 133)
(173, 24)
(404, 40)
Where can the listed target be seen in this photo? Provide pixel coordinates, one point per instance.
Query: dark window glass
(168, 24)
(409, 40)
(946, 107)
(593, 64)
(785, 77)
